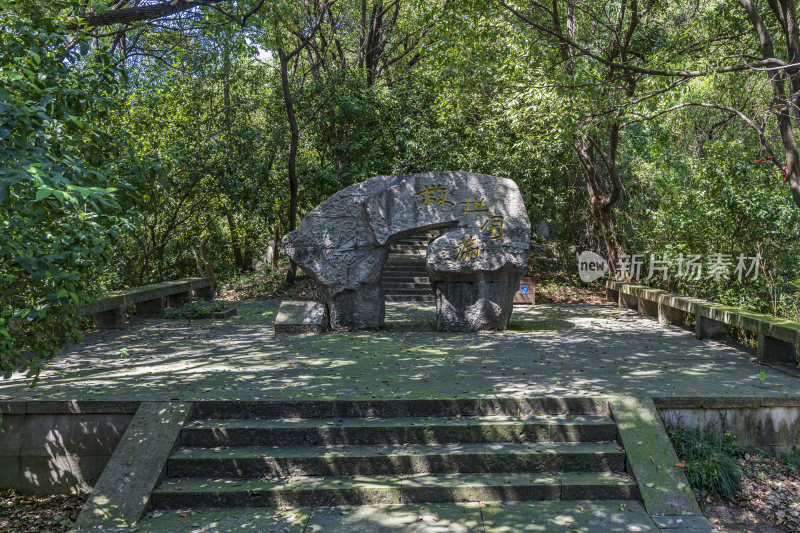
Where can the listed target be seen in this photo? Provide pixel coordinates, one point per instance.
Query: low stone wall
(52, 447)
(774, 429)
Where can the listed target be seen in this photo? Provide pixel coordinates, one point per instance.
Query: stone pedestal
(206, 293)
(361, 309)
(177, 300)
(647, 308)
(612, 295)
(476, 306)
(626, 301)
(112, 319)
(707, 328)
(150, 308)
(671, 315)
(772, 350)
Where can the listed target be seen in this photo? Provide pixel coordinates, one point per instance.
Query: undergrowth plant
(711, 463)
(196, 309)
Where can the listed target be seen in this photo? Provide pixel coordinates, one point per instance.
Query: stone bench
(108, 312)
(777, 337)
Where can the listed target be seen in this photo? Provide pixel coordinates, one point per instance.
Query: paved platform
(549, 350)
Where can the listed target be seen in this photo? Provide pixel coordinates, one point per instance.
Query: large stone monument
(474, 268)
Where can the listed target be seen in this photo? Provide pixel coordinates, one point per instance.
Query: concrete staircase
(405, 278)
(254, 454)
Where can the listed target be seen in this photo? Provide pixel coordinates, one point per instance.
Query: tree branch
(127, 15)
(768, 61)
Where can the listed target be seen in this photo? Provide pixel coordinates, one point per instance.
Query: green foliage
(58, 202)
(711, 464)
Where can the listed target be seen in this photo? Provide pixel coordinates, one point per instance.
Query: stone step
(402, 284)
(409, 298)
(389, 285)
(405, 273)
(408, 249)
(412, 430)
(416, 268)
(363, 490)
(419, 244)
(403, 277)
(402, 259)
(400, 292)
(340, 409)
(261, 461)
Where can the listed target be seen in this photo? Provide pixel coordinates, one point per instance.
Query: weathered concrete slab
(302, 317)
(122, 494)
(651, 458)
(575, 516)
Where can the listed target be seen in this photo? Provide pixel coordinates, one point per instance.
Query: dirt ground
(38, 514)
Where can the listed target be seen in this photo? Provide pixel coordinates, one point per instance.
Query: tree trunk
(786, 17)
(206, 262)
(199, 266)
(237, 245)
(276, 244)
(600, 203)
(293, 143)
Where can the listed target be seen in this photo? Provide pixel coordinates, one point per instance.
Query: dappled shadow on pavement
(568, 349)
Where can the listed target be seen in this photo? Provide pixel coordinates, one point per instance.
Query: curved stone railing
(109, 311)
(777, 337)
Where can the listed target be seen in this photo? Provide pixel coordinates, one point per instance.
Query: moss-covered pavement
(552, 350)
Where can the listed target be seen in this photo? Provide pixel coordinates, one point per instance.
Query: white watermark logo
(591, 266)
(635, 267)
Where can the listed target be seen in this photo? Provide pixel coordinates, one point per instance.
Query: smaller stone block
(302, 317)
(150, 308)
(707, 328)
(178, 299)
(772, 350)
(112, 319)
(670, 315)
(647, 308)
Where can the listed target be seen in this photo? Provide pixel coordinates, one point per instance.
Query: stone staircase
(405, 278)
(274, 454)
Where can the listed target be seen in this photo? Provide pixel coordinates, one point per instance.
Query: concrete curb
(121, 496)
(663, 486)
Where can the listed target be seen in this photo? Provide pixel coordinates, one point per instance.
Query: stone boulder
(343, 245)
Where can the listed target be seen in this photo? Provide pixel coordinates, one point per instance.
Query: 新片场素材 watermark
(635, 267)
